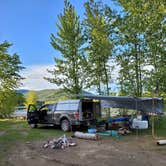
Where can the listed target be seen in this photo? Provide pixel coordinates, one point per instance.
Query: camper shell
(65, 113)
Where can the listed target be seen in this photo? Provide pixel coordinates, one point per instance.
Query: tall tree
(155, 35)
(131, 56)
(31, 98)
(68, 71)
(97, 30)
(10, 66)
(143, 32)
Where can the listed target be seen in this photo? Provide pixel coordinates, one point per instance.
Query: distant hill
(50, 95)
(54, 94)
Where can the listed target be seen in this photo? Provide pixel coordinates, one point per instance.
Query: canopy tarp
(154, 105)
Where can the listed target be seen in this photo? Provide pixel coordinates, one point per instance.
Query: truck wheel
(33, 125)
(65, 125)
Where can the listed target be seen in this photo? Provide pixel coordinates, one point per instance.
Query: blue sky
(28, 25)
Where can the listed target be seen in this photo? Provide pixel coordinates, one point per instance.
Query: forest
(132, 40)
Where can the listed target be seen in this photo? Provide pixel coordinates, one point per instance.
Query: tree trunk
(106, 80)
(136, 70)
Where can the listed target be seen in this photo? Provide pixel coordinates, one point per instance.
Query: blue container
(114, 133)
(92, 131)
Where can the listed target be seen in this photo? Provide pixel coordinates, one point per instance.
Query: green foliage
(142, 40)
(10, 66)
(131, 57)
(97, 31)
(147, 94)
(31, 98)
(8, 102)
(160, 126)
(69, 70)
(135, 38)
(21, 99)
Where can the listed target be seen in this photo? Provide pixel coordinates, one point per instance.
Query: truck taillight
(76, 115)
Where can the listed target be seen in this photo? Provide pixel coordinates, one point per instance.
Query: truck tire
(33, 125)
(65, 125)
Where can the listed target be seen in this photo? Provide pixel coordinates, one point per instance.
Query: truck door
(97, 109)
(50, 113)
(32, 114)
(46, 113)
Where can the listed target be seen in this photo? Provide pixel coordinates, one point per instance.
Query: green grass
(6, 124)
(160, 126)
(12, 131)
(13, 128)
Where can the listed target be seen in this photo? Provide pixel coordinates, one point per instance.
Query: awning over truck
(154, 105)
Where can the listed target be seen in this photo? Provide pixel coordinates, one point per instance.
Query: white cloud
(34, 77)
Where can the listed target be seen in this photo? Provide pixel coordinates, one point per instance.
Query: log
(161, 142)
(86, 136)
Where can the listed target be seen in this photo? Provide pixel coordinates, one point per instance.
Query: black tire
(65, 125)
(33, 125)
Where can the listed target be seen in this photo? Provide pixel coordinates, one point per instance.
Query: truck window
(67, 106)
(53, 107)
(50, 108)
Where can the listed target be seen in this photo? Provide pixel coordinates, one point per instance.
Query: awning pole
(153, 134)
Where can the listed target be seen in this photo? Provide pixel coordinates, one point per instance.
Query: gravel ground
(125, 151)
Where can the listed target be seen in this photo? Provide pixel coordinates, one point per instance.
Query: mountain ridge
(49, 94)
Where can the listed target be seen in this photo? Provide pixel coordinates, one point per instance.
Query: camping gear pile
(123, 131)
(60, 143)
(95, 133)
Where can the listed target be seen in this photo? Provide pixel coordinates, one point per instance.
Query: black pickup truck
(65, 113)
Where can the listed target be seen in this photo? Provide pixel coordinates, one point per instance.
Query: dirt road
(126, 151)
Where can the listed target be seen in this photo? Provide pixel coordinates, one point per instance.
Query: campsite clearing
(21, 145)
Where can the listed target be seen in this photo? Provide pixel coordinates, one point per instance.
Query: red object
(76, 115)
